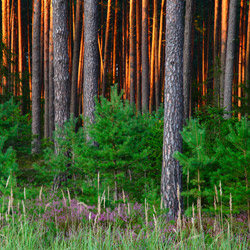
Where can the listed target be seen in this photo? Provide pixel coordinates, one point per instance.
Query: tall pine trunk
(132, 51)
(75, 67)
(46, 67)
(224, 21)
(229, 70)
(36, 84)
(173, 110)
(187, 58)
(145, 57)
(91, 59)
(61, 62)
(105, 66)
(51, 77)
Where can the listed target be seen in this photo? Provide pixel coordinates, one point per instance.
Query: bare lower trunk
(173, 111)
(132, 52)
(91, 59)
(73, 99)
(145, 58)
(187, 58)
(51, 78)
(46, 67)
(229, 70)
(61, 62)
(36, 84)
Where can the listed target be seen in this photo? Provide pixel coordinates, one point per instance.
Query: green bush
(218, 151)
(125, 148)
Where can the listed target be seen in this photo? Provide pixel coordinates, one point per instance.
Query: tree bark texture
(105, 66)
(224, 24)
(132, 51)
(216, 54)
(91, 58)
(76, 51)
(36, 84)
(138, 55)
(46, 67)
(61, 62)
(51, 78)
(247, 78)
(173, 110)
(229, 70)
(145, 57)
(187, 58)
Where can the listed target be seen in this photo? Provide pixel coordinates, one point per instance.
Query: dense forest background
(128, 117)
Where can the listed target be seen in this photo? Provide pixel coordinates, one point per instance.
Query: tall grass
(51, 223)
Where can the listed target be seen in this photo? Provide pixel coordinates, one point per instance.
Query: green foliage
(15, 127)
(234, 158)
(8, 163)
(218, 150)
(124, 148)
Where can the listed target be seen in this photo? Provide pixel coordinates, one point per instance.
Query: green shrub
(217, 154)
(125, 149)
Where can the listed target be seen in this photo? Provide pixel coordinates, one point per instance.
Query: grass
(26, 235)
(51, 223)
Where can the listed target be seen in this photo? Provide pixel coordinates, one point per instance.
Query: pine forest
(125, 124)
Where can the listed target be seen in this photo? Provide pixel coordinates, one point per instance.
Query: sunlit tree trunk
(160, 50)
(46, 68)
(29, 54)
(132, 51)
(91, 58)
(241, 61)
(215, 54)
(51, 77)
(20, 47)
(42, 48)
(145, 58)
(224, 24)
(5, 42)
(76, 51)
(229, 70)
(152, 60)
(173, 110)
(115, 42)
(12, 48)
(138, 55)
(104, 80)
(36, 84)
(187, 58)
(247, 78)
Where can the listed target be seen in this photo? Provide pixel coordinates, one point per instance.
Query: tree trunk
(145, 58)
(20, 47)
(61, 62)
(91, 58)
(46, 68)
(173, 111)
(36, 84)
(247, 78)
(187, 58)
(132, 51)
(5, 42)
(51, 78)
(152, 61)
(224, 20)
(138, 55)
(115, 42)
(215, 54)
(229, 71)
(104, 80)
(73, 99)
